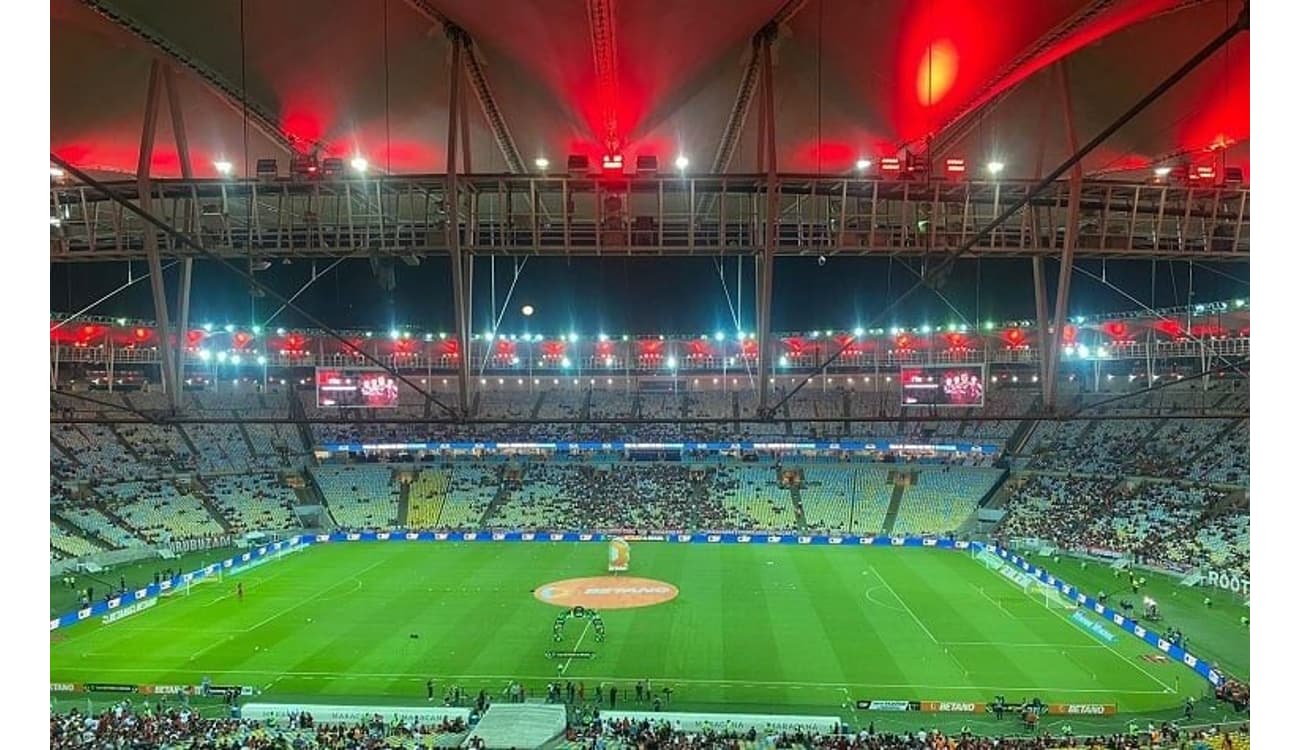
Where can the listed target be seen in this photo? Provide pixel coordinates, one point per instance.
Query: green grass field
(782, 628)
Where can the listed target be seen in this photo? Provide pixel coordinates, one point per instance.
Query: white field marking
(317, 595)
(871, 598)
(906, 608)
(569, 661)
(1005, 644)
(1121, 657)
(421, 676)
(997, 603)
(253, 584)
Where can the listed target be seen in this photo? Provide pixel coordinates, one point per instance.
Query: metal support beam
(763, 279)
(478, 81)
(230, 95)
(1053, 351)
(190, 227)
(453, 229)
(144, 188)
(604, 52)
(748, 82)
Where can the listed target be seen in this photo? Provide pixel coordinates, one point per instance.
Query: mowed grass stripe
(801, 630)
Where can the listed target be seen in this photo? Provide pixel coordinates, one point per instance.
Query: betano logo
(606, 592)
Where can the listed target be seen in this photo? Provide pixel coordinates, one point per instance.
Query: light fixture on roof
(223, 167)
(682, 163)
(56, 173)
(996, 167)
(1163, 171)
(863, 165)
(527, 310)
(541, 163)
(359, 164)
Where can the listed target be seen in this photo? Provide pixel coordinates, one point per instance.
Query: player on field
(239, 591)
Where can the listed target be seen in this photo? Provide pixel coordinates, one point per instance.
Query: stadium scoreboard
(355, 388)
(942, 385)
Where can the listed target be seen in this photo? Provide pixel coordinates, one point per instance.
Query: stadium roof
(854, 79)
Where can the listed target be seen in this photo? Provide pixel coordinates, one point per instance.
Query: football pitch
(791, 629)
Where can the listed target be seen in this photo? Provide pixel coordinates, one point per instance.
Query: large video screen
(355, 388)
(943, 385)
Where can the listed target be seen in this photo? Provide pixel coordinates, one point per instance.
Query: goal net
(188, 587)
(1054, 598)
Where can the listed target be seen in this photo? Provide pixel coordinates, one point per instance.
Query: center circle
(606, 592)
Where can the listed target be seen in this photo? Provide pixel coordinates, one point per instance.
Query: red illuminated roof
(857, 79)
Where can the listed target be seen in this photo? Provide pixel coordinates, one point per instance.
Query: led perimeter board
(942, 385)
(355, 388)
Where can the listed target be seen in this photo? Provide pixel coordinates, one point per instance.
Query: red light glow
(936, 72)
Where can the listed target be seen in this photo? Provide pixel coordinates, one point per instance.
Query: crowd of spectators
(124, 725)
(181, 728)
(626, 733)
(1158, 523)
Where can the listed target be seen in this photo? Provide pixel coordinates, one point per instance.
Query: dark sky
(648, 295)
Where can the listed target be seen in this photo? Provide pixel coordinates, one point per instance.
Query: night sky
(673, 295)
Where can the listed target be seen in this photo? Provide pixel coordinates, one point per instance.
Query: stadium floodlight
(784, 362)
(565, 363)
(602, 337)
(359, 164)
(234, 360)
(672, 363)
(223, 167)
(573, 338)
(1239, 303)
(1163, 172)
(207, 327)
(394, 335)
(863, 165)
(527, 310)
(681, 163)
(56, 173)
(442, 335)
(996, 167)
(859, 331)
(261, 360)
(719, 336)
(988, 325)
(279, 332)
(609, 361)
(1082, 350)
(221, 356)
(204, 355)
(925, 329)
(542, 163)
(625, 337)
(230, 328)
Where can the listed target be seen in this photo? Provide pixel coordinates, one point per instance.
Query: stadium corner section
(269, 552)
(141, 599)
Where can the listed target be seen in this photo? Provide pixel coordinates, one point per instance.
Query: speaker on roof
(579, 165)
(267, 170)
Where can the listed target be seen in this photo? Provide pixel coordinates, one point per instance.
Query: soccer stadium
(615, 374)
